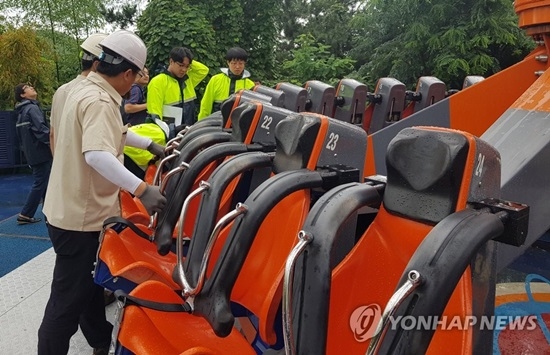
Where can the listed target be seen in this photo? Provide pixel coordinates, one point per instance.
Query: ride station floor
(27, 259)
(26, 266)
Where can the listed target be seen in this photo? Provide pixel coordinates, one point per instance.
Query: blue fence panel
(9, 150)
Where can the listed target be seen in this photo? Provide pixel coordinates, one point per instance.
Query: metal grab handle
(170, 147)
(304, 239)
(203, 186)
(156, 178)
(175, 141)
(183, 166)
(414, 280)
(188, 290)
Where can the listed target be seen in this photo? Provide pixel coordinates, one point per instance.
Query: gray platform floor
(23, 296)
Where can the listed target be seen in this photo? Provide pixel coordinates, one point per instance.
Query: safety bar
(180, 168)
(177, 138)
(172, 145)
(203, 186)
(442, 258)
(183, 166)
(304, 239)
(156, 178)
(188, 290)
(414, 280)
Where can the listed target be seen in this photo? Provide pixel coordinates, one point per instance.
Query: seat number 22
(266, 123)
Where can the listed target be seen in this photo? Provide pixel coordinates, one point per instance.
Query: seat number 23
(332, 140)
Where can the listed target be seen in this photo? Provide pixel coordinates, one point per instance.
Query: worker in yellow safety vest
(170, 104)
(229, 81)
(171, 94)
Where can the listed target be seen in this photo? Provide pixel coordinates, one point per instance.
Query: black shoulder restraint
(157, 306)
(122, 223)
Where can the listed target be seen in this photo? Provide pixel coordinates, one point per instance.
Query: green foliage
(312, 60)
(67, 55)
(23, 61)
(290, 40)
(250, 24)
(3, 25)
(330, 21)
(122, 17)
(165, 24)
(226, 20)
(259, 37)
(68, 17)
(406, 39)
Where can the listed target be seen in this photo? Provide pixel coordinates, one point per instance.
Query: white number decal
(332, 140)
(267, 122)
(480, 163)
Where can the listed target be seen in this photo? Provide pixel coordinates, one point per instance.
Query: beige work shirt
(78, 198)
(59, 99)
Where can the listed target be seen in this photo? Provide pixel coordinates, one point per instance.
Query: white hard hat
(91, 45)
(127, 45)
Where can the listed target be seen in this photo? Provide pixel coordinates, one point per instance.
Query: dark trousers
(41, 174)
(189, 113)
(75, 300)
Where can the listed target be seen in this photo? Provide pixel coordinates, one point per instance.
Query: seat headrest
(295, 96)
(277, 97)
(425, 169)
(295, 138)
(242, 118)
(320, 97)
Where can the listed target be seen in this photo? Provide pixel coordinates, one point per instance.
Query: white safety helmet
(127, 45)
(92, 47)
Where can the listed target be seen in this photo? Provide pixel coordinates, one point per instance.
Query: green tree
(23, 60)
(226, 20)
(122, 17)
(312, 60)
(330, 22)
(290, 21)
(66, 55)
(75, 18)
(406, 39)
(3, 24)
(260, 36)
(290, 24)
(250, 24)
(165, 24)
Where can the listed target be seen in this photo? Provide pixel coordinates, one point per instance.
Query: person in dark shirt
(135, 106)
(34, 134)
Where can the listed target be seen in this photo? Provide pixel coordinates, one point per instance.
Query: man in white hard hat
(90, 58)
(83, 190)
